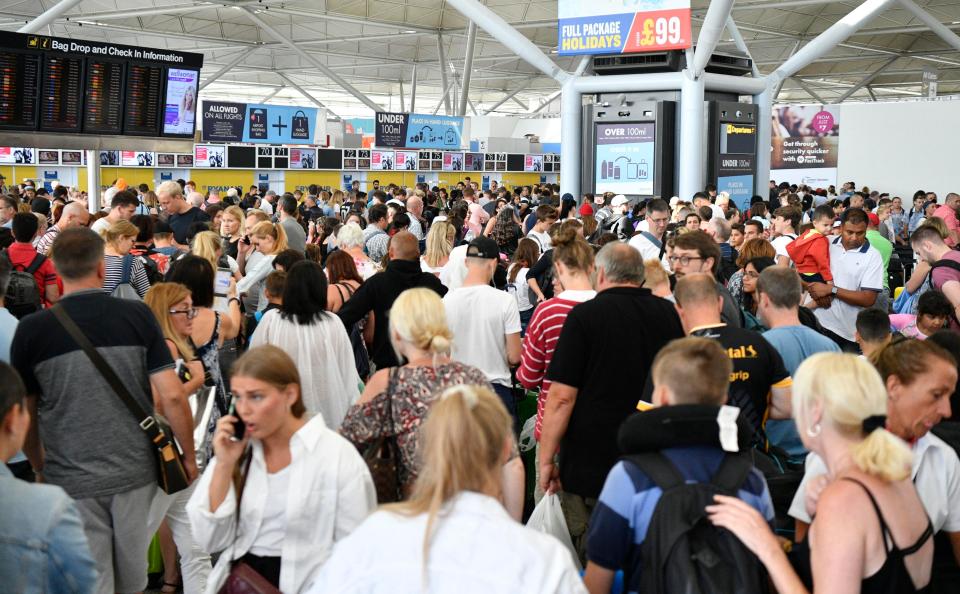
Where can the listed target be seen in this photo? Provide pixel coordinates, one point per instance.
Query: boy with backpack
(33, 280)
(650, 520)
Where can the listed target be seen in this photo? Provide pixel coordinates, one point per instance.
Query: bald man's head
(74, 215)
(404, 246)
(696, 289)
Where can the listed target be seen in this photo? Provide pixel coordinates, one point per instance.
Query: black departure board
(61, 93)
(73, 85)
(144, 95)
(19, 90)
(103, 112)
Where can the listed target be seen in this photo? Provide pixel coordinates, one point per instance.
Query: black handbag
(383, 455)
(171, 474)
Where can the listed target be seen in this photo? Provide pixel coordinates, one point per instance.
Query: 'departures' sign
(622, 26)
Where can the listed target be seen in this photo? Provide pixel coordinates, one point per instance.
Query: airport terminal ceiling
(275, 51)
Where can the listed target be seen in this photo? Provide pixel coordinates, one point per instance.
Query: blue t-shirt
(795, 344)
(626, 504)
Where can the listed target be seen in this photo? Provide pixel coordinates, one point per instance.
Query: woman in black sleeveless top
(839, 406)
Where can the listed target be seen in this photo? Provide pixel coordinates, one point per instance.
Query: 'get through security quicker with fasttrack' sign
(622, 26)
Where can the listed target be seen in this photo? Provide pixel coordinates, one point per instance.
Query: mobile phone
(222, 282)
(239, 427)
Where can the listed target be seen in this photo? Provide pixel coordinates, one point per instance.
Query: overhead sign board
(622, 26)
(412, 130)
(252, 122)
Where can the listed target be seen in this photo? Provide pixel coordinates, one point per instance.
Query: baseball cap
(121, 184)
(874, 219)
(618, 200)
(586, 209)
(483, 247)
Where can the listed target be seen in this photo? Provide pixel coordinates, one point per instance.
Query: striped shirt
(114, 274)
(543, 331)
(43, 243)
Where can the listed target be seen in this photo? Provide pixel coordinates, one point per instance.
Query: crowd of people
(709, 397)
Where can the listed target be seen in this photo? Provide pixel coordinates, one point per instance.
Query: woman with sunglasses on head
(300, 486)
(172, 305)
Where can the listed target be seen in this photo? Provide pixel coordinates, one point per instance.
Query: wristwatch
(833, 291)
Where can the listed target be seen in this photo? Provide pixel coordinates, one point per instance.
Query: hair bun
(439, 344)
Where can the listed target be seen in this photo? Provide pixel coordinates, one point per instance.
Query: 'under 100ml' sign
(622, 26)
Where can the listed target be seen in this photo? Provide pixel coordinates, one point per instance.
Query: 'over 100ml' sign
(622, 26)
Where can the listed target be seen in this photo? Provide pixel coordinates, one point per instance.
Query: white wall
(901, 147)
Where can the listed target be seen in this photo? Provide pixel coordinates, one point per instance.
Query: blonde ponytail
(852, 396)
(419, 318)
(883, 455)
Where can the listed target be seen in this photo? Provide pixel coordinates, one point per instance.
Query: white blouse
(329, 380)
(477, 548)
(255, 277)
(330, 493)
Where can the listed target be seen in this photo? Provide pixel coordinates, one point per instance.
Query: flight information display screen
(19, 90)
(61, 93)
(78, 86)
(103, 112)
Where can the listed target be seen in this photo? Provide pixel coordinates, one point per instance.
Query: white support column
(691, 166)
(305, 94)
(764, 103)
(512, 39)
(522, 105)
(741, 44)
(403, 106)
(442, 57)
(829, 39)
(816, 96)
(570, 146)
(710, 32)
(413, 90)
(443, 100)
(93, 182)
(253, 16)
(546, 101)
(467, 68)
(510, 95)
(48, 16)
(228, 67)
(936, 26)
(866, 80)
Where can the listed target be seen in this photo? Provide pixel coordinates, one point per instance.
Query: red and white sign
(6, 154)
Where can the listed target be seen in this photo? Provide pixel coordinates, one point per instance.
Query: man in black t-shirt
(180, 215)
(759, 385)
(604, 352)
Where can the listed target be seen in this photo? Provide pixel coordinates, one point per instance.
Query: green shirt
(885, 248)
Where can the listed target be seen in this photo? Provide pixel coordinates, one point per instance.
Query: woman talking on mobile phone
(301, 487)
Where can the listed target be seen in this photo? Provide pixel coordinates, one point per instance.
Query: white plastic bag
(527, 441)
(547, 517)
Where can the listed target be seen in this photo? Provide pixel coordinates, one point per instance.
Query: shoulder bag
(242, 578)
(171, 475)
(383, 454)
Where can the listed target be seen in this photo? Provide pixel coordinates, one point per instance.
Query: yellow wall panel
(134, 176)
(294, 179)
(221, 179)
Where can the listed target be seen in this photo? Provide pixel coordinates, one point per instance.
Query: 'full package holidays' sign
(418, 130)
(622, 26)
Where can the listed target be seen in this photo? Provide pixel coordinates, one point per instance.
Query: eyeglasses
(683, 260)
(190, 313)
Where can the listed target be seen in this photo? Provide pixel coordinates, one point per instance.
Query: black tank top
(892, 577)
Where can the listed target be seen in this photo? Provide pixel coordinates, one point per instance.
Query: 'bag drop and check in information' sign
(622, 26)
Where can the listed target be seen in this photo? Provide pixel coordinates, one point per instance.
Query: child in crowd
(273, 290)
(873, 331)
(810, 252)
(525, 257)
(933, 311)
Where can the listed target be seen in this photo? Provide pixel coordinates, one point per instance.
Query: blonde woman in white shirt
(303, 488)
(453, 534)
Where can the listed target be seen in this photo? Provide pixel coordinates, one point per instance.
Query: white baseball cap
(618, 200)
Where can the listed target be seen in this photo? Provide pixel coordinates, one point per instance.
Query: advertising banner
(136, 159)
(223, 121)
(180, 107)
(407, 160)
(209, 155)
(806, 141)
(473, 162)
(381, 160)
(622, 27)
(533, 163)
(737, 160)
(418, 130)
(625, 158)
(453, 161)
(303, 158)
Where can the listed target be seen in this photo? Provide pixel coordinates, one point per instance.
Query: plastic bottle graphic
(603, 170)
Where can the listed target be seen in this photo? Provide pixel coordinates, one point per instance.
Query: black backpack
(683, 551)
(23, 293)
